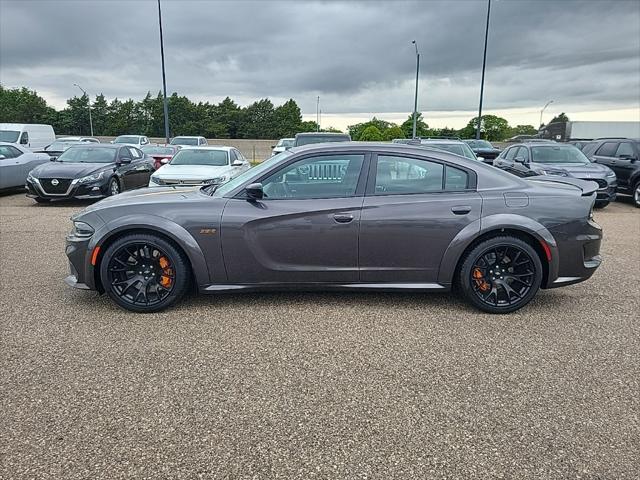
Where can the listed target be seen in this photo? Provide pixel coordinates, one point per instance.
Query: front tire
(636, 194)
(114, 187)
(501, 274)
(144, 273)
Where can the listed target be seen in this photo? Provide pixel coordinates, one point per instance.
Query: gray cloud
(356, 55)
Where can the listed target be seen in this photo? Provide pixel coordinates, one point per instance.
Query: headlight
(82, 229)
(30, 177)
(611, 174)
(216, 181)
(91, 178)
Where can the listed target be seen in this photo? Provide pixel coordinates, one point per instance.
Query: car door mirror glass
(237, 163)
(254, 191)
(124, 160)
(520, 159)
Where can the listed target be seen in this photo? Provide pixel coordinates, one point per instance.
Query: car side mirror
(237, 163)
(481, 159)
(254, 192)
(124, 160)
(164, 161)
(520, 160)
(2, 157)
(273, 146)
(53, 158)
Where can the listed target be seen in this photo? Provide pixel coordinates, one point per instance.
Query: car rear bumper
(578, 245)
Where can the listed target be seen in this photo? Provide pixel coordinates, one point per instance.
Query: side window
(625, 149)
(403, 175)
(523, 152)
(135, 153)
(145, 141)
(233, 155)
(511, 153)
(7, 151)
(607, 149)
(24, 139)
(455, 179)
(330, 176)
(124, 153)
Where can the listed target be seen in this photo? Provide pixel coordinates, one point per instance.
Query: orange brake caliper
(478, 277)
(165, 280)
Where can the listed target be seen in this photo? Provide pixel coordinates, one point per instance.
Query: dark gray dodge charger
(343, 216)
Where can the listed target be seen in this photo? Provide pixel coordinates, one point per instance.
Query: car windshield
(88, 155)
(285, 142)
(10, 136)
(158, 150)
(127, 139)
(251, 173)
(558, 154)
(58, 146)
(201, 156)
(479, 144)
(184, 141)
(308, 139)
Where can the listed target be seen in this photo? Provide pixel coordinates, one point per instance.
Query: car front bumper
(81, 272)
(80, 191)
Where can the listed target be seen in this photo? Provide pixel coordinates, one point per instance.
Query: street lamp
(164, 78)
(484, 64)
(415, 101)
(543, 109)
(89, 103)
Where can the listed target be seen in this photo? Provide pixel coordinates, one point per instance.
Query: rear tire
(636, 194)
(500, 275)
(144, 273)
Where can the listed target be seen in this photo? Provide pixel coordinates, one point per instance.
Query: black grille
(61, 187)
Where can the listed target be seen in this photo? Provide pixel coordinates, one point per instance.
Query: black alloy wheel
(636, 195)
(144, 273)
(501, 275)
(114, 187)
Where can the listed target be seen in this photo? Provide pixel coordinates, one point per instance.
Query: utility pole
(415, 100)
(318, 114)
(89, 104)
(164, 78)
(484, 64)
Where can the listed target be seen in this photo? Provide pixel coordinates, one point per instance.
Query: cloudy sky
(357, 55)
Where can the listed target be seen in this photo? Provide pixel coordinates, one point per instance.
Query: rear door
(142, 167)
(414, 207)
(305, 229)
(625, 161)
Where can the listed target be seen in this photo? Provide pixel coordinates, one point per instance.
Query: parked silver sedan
(15, 164)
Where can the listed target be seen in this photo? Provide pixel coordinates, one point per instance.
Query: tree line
(226, 119)
(493, 128)
(260, 120)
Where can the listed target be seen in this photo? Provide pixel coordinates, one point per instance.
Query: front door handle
(461, 209)
(342, 218)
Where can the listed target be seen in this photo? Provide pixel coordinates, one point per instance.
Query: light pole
(318, 114)
(484, 64)
(542, 111)
(164, 78)
(89, 103)
(415, 100)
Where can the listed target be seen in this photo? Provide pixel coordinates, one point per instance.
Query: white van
(29, 135)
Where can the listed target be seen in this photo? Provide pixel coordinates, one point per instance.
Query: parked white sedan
(201, 166)
(15, 164)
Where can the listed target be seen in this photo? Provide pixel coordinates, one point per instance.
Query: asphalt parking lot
(308, 385)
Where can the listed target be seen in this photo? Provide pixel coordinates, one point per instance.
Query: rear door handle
(342, 218)
(461, 209)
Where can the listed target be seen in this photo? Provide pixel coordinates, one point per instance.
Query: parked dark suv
(622, 155)
(561, 159)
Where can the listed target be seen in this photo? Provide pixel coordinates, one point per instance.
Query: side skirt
(381, 287)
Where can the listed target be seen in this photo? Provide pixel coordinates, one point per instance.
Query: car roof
(188, 136)
(98, 145)
(208, 147)
(130, 135)
(321, 134)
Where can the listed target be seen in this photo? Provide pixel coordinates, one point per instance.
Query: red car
(161, 153)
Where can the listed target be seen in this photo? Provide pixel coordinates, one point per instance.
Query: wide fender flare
(162, 226)
(495, 223)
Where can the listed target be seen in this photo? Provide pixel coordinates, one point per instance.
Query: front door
(413, 209)
(12, 172)
(304, 230)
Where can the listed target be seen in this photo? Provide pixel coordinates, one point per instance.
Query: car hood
(195, 172)
(147, 196)
(590, 170)
(68, 169)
